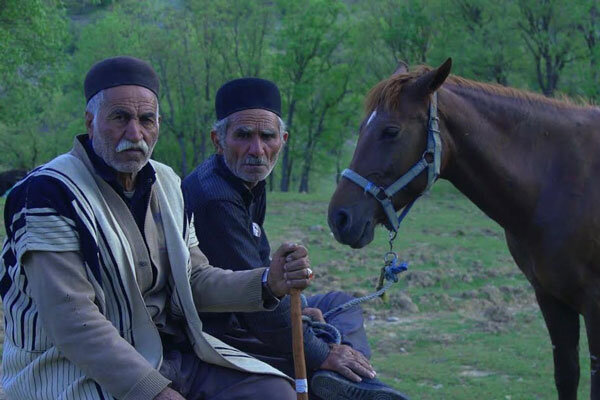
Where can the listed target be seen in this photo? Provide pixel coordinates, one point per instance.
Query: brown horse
(529, 162)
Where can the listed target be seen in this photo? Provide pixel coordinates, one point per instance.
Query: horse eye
(390, 132)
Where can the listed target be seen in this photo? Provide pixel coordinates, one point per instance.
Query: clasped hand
(290, 268)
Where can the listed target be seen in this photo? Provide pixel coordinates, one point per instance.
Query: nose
(256, 146)
(342, 220)
(133, 130)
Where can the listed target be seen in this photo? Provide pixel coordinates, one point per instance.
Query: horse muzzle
(351, 225)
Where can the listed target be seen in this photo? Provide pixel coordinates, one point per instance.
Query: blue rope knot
(395, 268)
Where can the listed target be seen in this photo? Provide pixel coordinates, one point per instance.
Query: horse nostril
(342, 220)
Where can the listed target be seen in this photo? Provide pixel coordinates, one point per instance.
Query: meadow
(462, 323)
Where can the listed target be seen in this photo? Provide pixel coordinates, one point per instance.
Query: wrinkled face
(125, 130)
(252, 144)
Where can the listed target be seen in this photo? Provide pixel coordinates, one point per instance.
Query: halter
(430, 160)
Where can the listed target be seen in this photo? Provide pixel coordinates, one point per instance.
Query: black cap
(119, 71)
(246, 93)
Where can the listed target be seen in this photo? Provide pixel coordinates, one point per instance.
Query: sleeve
(65, 302)
(275, 328)
(219, 290)
(228, 243)
(40, 215)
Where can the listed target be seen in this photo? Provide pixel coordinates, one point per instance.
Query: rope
(330, 333)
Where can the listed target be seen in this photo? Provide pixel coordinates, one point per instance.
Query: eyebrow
(268, 132)
(119, 110)
(248, 129)
(148, 114)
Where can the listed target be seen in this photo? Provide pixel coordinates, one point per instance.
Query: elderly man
(227, 196)
(101, 276)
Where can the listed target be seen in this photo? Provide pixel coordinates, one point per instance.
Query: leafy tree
(588, 17)
(549, 31)
(308, 34)
(33, 37)
(395, 31)
(483, 45)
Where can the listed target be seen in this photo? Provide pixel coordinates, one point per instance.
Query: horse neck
(498, 149)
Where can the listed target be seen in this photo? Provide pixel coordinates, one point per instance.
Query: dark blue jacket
(229, 225)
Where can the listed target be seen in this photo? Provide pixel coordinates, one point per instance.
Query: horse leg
(561, 320)
(563, 325)
(592, 325)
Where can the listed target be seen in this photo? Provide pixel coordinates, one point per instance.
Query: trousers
(197, 380)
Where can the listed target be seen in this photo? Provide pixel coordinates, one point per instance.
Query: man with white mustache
(226, 194)
(101, 276)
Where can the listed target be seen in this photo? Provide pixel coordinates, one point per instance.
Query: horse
(527, 161)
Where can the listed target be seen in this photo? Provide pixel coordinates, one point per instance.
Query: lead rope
(389, 272)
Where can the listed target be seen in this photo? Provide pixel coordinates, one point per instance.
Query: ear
(89, 119)
(431, 81)
(285, 137)
(401, 68)
(215, 139)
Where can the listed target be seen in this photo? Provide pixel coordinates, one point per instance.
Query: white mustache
(125, 144)
(255, 161)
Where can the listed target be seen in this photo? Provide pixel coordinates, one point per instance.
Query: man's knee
(329, 300)
(276, 388)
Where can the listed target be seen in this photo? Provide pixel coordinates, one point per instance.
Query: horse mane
(386, 93)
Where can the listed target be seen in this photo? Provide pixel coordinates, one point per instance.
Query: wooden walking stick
(298, 345)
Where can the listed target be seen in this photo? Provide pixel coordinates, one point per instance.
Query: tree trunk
(286, 161)
(284, 184)
(181, 142)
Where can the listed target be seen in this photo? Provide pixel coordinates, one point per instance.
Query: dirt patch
(402, 302)
(421, 279)
(498, 314)
(471, 372)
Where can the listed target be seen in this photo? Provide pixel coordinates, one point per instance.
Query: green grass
(476, 330)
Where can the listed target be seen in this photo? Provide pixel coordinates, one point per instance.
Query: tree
(395, 31)
(549, 31)
(33, 37)
(485, 46)
(589, 27)
(308, 34)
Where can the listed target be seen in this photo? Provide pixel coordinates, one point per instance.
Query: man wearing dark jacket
(226, 196)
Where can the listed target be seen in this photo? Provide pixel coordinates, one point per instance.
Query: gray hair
(220, 127)
(93, 106)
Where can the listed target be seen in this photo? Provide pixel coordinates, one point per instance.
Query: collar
(237, 183)
(144, 180)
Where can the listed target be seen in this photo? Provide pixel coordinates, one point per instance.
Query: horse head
(393, 138)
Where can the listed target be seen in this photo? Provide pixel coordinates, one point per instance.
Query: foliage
(323, 54)
(33, 34)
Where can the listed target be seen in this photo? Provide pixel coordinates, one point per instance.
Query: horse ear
(401, 68)
(431, 81)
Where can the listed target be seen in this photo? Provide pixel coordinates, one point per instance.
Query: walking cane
(298, 345)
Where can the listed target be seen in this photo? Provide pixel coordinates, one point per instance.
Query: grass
(462, 323)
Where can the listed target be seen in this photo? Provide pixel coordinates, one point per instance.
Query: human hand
(348, 362)
(290, 268)
(169, 394)
(314, 313)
